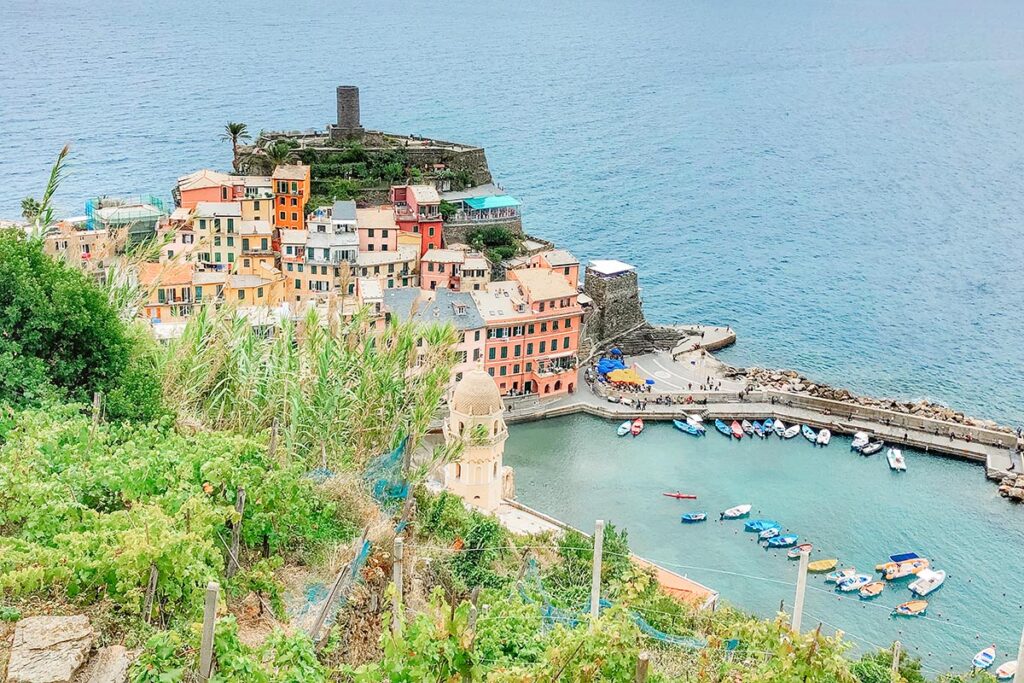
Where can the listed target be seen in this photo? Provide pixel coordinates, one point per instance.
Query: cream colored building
(476, 418)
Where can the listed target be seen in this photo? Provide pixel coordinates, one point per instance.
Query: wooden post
(801, 588)
(397, 579)
(314, 632)
(896, 656)
(1019, 676)
(209, 621)
(147, 612)
(97, 401)
(595, 580)
(236, 533)
(642, 663)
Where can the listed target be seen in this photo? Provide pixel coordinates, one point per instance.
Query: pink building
(377, 229)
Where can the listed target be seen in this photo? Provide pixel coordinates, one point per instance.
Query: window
(295, 216)
(295, 202)
(216, 241)
(515, 369)
(231, 241)
(541, 306)
(568, 323)
(298, 284)
(245, 244)
(529, 366)
(431, 232)
(565, 343)
(246, 262)
(516, 351)
(241, 294)
(170, 252)
(490, 354)
(554, 325)
(256, 205)
(476, 354)
(289, 265)
(231, 225)
(543, 346)
(231, 257)
(295, 187)
(543, 327)
(430, 267)
(199, 293)
(282, 214)
(384, 233)
(529, 349)
(161, 295)
(263, 244)
(216, 257)
(504, 352)
(369, 233)
(530, 328)
(476, 336)
(300, 267)
(490, 371)
(503, 371)
(188, 239)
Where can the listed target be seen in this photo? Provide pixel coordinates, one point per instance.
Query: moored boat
(768, 426)
(860, 440)
(747, 428)
(824, 436)
(761, 524)
(896, 460)
(794, 552)
(783, 541)
(737, 429)
(769, 534)
(1006, 671)
(872, 448)
(872, 590)
(696, 422)
(723, 428)
(901, 570)
(808, 433)
(638, 426)
(927, 580)
(853, 583)
(681, 496)
(758, 429)
(692, 517)
(779, 428)
(985, 658)
(911, 608)
(685, 427)
(837, 575)
(820, 566)
(737, 512)
(791, 432)
(624, 428)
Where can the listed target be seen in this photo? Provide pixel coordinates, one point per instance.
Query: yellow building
(216, 226)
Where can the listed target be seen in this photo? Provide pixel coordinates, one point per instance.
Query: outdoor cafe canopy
(625, 377)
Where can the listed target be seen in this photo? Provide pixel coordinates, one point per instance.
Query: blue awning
(500, 201)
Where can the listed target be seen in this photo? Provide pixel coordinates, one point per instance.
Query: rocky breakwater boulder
(1012, 487)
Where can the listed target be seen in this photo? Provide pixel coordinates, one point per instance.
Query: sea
(841, 182)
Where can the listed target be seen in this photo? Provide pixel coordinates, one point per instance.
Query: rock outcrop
(49, 649)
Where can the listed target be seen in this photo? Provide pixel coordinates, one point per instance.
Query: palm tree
(30, 208)
(235, 132)
(277, 153)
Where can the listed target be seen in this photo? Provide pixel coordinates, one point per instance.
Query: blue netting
(315, 594)
(385, 478)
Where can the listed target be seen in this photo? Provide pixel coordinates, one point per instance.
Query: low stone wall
(458, 233)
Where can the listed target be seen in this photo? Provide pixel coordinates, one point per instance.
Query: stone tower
(476, 417)
(348, 125)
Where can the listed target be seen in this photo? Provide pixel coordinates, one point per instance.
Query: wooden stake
(97, 401)
(314, 632)
(642, 662)
(236, 533)
(147, 612)
(209, 622)
(398, 580)
(595, 580)
(896, 656)
(801, 589)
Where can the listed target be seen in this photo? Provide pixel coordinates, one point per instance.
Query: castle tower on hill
(476, 416)
(348, 126)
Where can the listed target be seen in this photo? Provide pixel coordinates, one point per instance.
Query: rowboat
(761, 524)
(768, 425)
(685, 427)
(779, 428)
(737, 429)
(736, 512)
(624, 428)
(747, 428)
(692, 517)
(896, 460)
(694, 418)
(985, 658)
(834, 577)
(901, 570)
(791, 432)
(681, 496)
(769, 534)
(819, 566)
(1006, 671)
(872, 448)
(723, 428)
(927, 580)
(758, 430)
(912, 608)
(808, 433)
(794, 552)
(638, 426)
(696, 422)
(853, 583)
(783, 541)
(860, 440)
(872, 590)
(824, 436)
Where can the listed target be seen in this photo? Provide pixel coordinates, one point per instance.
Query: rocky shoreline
(794, 382)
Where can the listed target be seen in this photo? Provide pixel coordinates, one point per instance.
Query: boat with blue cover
(693, 517)
(768, 425)
(809, 433)
(761, 525)
(758, 429)
(784, 541)
(723, 428)
(685, 427)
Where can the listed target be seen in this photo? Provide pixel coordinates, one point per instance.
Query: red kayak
(737, 429)
(681, 496)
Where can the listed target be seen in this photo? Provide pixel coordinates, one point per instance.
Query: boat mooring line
(871, 603)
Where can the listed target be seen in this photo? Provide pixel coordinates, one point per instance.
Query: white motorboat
(1007, 671)
(854, 583)
(824, 436)
(737, 512)
(624, 428)
(860, 440)
(791, 432)
(872, 448)
(927, 580)
(779, 428)
(696, 422)
(896, 460)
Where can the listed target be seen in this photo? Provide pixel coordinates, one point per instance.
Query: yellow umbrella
(625, 377)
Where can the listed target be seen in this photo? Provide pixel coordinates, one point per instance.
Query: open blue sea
(843, 182)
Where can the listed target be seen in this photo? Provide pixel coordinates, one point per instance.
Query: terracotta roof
(203, 178)
(425, 194)
(542, 283)
(376, 217)
(165, 274)
(291, 172)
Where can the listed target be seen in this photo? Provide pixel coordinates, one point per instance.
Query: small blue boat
(809, 433)
(761, 525)
(723, 428)
(758, 429)
(784, 541)
(684, 427)
(693, 517)
(768, 425)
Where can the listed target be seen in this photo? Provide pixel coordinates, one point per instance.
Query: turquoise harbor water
(850, 507)
(843, 182)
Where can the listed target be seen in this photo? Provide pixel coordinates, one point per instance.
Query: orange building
(533, 331)
(291, 192)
